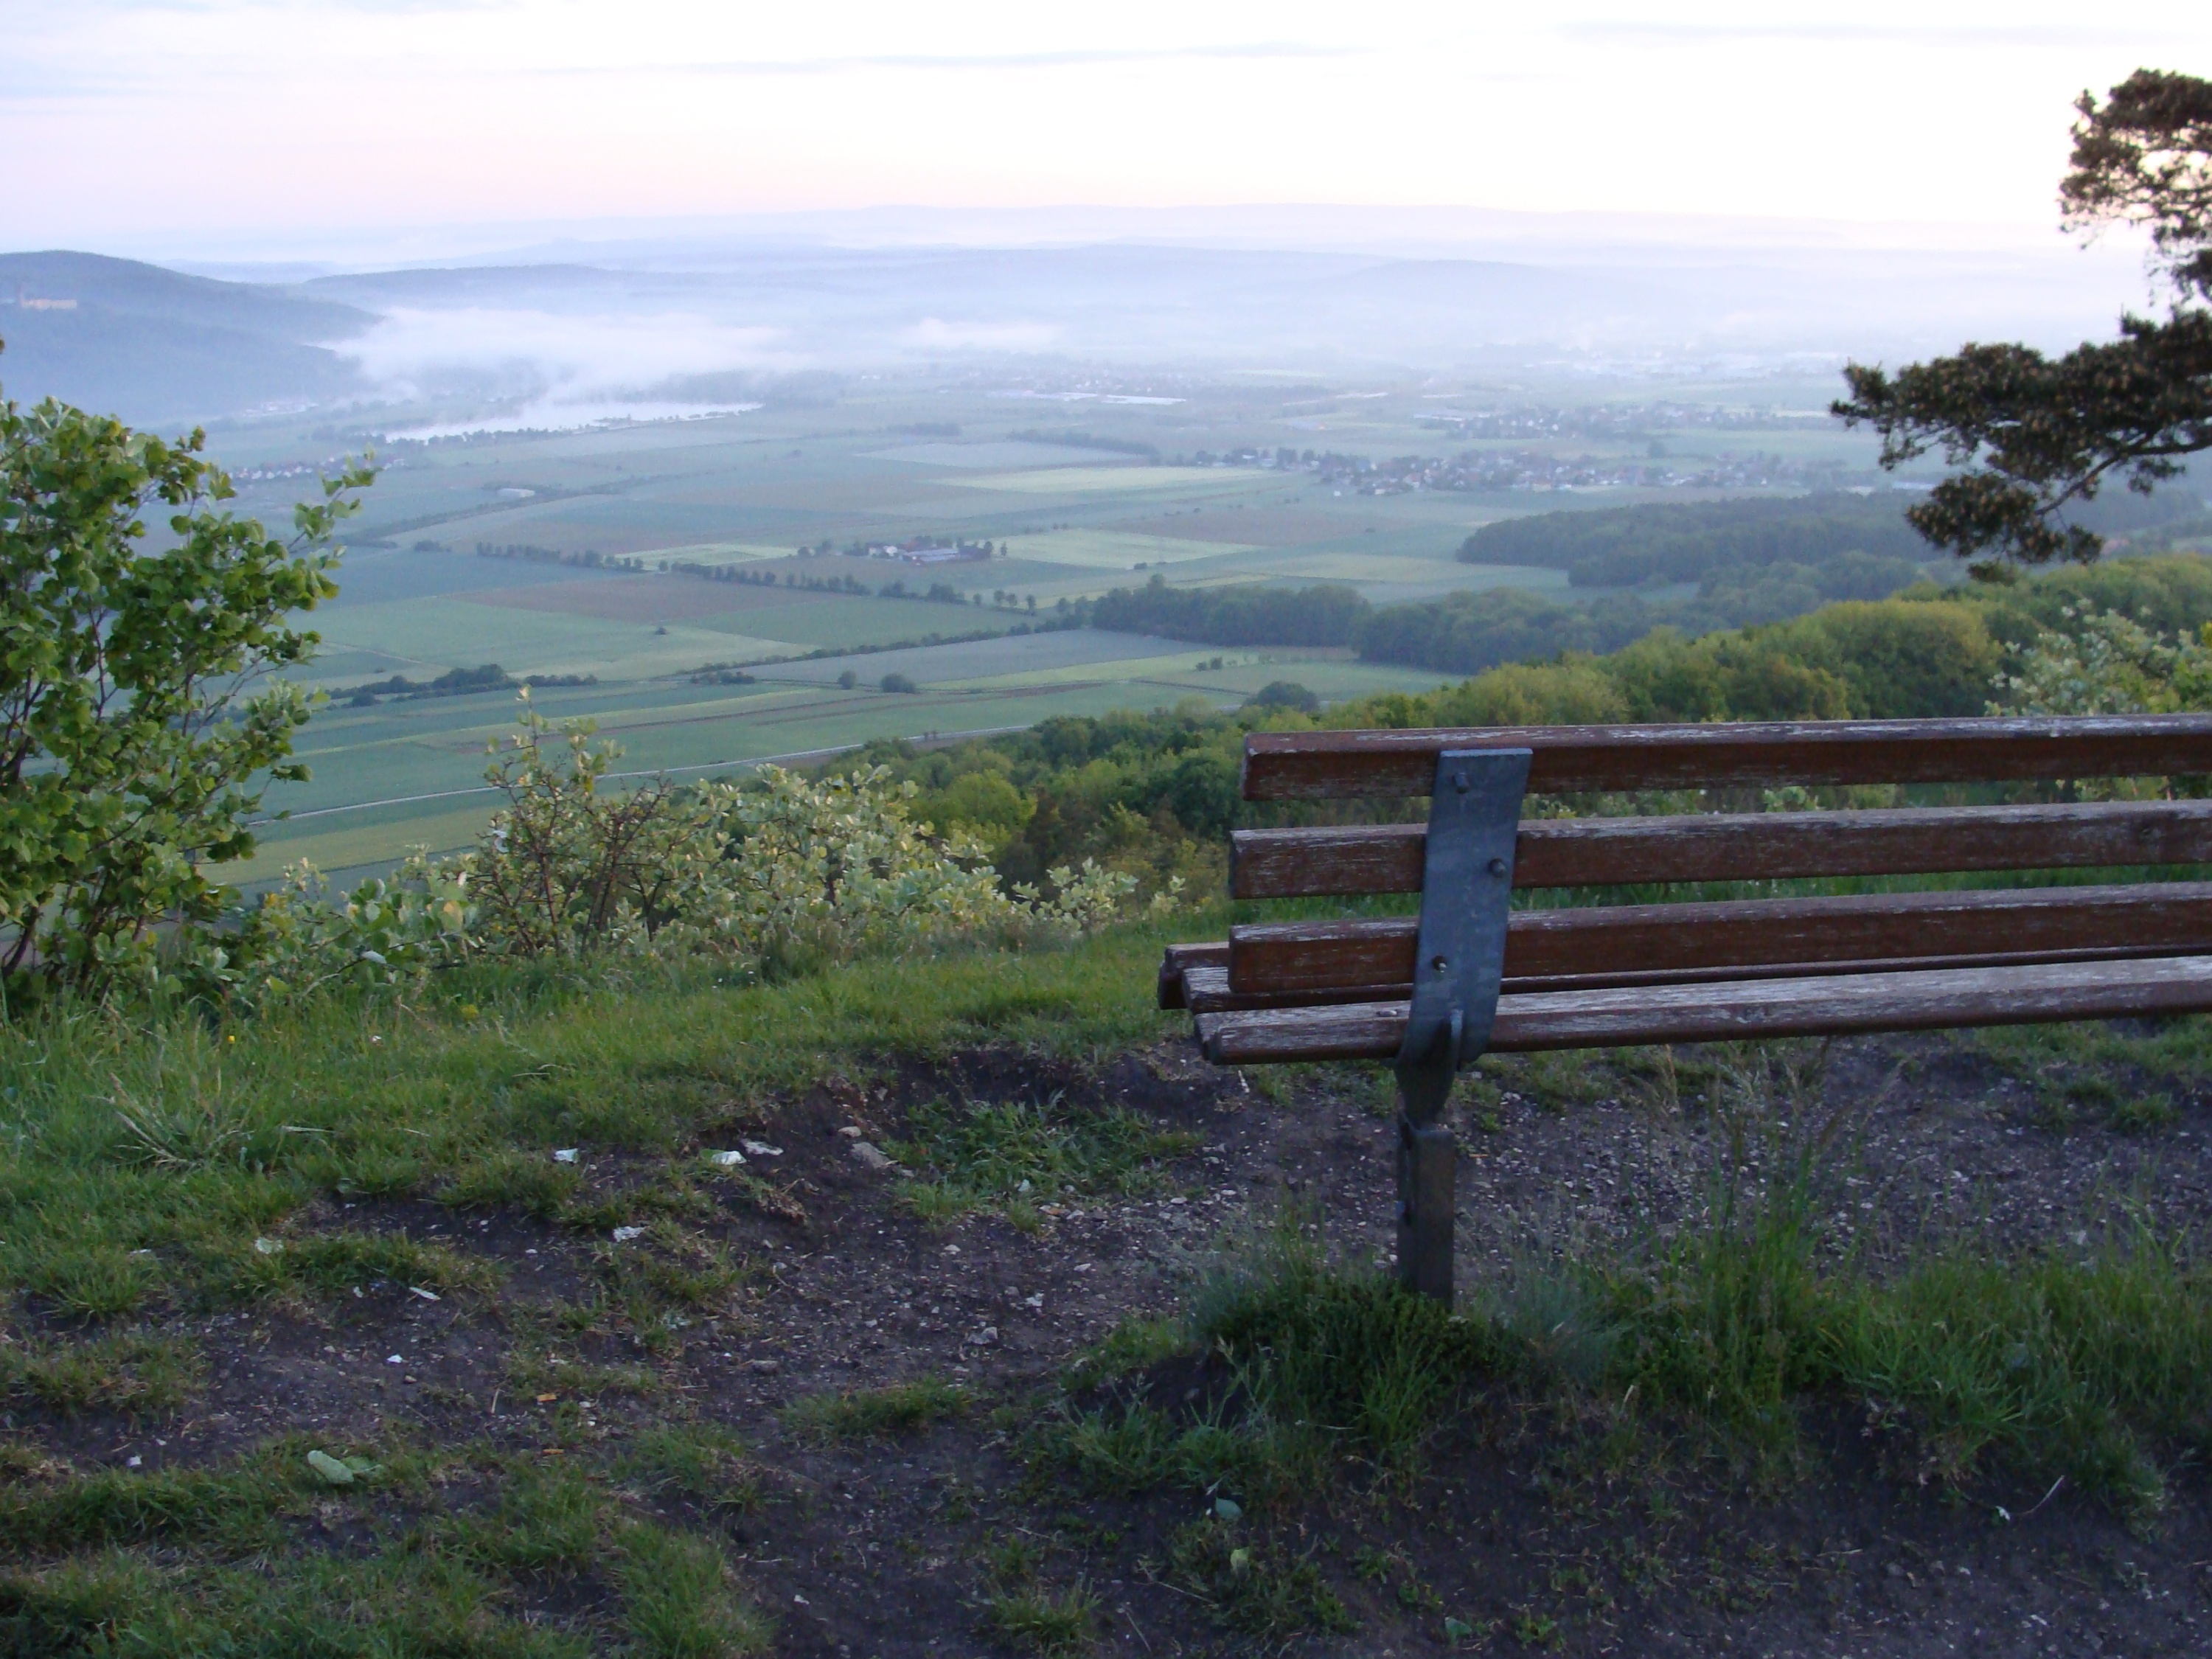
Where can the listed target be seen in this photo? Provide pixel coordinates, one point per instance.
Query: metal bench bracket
(1467, 885)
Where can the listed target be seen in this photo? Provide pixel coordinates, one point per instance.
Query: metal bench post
(1467, 885)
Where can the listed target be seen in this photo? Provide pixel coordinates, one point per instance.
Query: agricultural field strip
(487, 726)
(1118, 550)
(1130, 670)
(719, 553)
(439, 634)
(1179, 480)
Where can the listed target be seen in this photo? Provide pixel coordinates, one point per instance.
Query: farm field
(410, 771)
(1074, 512)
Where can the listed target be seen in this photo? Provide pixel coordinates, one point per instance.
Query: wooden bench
(1470, 975)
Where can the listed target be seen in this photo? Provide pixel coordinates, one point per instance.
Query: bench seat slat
(1812, 1006)
(1180, 957)
(1647, 941)
(1568, 759)
(1206, 990)
(1739, 846)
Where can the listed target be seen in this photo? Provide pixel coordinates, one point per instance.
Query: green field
(1119, 550)
(747, 490)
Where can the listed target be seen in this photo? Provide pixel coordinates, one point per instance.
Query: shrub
(2102, 662)
(787, 869)
(131, 755)
(1284, 694)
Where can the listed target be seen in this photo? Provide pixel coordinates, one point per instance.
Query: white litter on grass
(268, 1246)
(428, 1296)
(566, 1155)
(726, 1160)
(623, 1235)
(761, 1149)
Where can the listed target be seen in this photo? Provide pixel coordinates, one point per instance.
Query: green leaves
(2144, 157)
(2048, 433)
(129, 743)
(2041, 434)
(340, 1471)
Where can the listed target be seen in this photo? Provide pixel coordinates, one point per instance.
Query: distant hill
(160, 348)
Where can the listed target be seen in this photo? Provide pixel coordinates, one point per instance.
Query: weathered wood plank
(1205, 991)
(1739, 846)
(1335, 765)
(1645, 943)
(1179, 958)
(1823, 1006)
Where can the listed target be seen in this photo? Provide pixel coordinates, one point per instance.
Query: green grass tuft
(899, 1408)
(981, 1155)
(1251, 1587)
(1134, 1345)
(1052, 1623)
(138, 1373)
(681, 1599)
(698, 1461)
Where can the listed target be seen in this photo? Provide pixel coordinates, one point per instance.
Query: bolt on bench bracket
(1466, 885)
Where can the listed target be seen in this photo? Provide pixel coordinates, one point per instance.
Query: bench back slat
(1740, 1010)
(1739, 846)
(1568, 759)
(1655, 941)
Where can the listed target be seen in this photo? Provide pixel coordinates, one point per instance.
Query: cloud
(566, 358)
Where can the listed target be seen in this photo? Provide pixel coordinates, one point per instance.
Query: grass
(1044, 1621)
(2096, 1369)
(1015, 1155)
(459, 1552)
(360, 1102)
(700, 1461)
(136, 1373)
(1253, 1588)
(870, 1413)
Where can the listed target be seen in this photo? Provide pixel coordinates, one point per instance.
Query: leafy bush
(787, 869)
(1284, 694)
(2102, 662)
(131, 753)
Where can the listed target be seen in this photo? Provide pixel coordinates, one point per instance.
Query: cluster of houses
(1494, 470)
(931, 550)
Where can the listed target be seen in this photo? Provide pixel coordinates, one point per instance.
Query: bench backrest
(1594, 949)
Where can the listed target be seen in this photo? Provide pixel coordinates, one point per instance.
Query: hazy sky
(257, 125)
